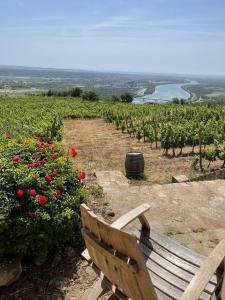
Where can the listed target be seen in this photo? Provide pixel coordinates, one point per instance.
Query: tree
(90, 96)
(50, 93)
(182, 101)
(127, 98)
(175, 101)
(115, 98)
(76, 92)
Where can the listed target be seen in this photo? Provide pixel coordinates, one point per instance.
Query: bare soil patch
(103, 147)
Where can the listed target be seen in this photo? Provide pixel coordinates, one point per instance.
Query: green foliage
(220, 149)
(139, 134)
(40, 196)
(173, 126)
(90, 96)
(126, 98)
(96, 191)
(210, 154)
(43, 116)
(115, 98)
(194, 162)
(178, 101)
(74, 92)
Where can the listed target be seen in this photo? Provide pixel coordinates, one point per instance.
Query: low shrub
(40, 195)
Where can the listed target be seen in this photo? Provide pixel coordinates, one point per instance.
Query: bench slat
(169, 256)
(177, 249)
(176, 271)
(171, 279)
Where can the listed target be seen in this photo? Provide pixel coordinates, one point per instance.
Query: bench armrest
(123, 221)
(135, 213)
(205, 273)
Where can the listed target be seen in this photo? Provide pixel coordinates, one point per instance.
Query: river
(165, 93)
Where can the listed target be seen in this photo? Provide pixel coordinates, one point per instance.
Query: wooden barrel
(134, 165)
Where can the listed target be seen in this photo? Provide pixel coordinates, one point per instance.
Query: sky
(153, 36)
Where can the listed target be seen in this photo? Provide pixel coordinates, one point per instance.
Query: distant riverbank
(165, 93)
(141, 92)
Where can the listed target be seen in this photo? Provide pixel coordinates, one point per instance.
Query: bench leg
(96, 291)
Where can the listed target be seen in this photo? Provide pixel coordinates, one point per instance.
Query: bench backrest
(117, 255)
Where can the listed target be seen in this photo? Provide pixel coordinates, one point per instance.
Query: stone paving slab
(111, 178)
(192, 213)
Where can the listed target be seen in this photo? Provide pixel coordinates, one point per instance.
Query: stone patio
(192, 213)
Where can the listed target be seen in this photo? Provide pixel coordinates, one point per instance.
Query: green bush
(40, 195)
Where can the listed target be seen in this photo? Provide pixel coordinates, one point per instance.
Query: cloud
(119, 27)
(51, 25)
(112, 22)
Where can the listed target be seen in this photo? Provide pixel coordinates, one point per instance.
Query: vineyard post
(200, 148)
(156, 136)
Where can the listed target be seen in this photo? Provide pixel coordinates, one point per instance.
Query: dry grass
(101, 146)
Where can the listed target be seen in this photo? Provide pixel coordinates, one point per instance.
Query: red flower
(36, 164)
(58, 193)
(73, 152)
(30, 166)
(35, 155)
(43, 150)
(32, 192)
(54, 156)
(16, 159)
(31, 215)
(39, 145)
(43, 161)
(8, 136)
(82, 175)
(19, 193)
(42, 199)
(48, 178)
(55, 173)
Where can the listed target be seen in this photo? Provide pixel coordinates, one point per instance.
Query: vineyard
(39, 116)
(169, 127)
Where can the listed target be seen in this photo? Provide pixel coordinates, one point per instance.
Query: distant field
(19, 80)
(32, 81)
(207, 91)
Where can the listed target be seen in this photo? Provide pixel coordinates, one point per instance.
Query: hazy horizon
(150, 36)
(113, 71)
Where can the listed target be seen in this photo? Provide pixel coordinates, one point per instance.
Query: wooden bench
(146, 265)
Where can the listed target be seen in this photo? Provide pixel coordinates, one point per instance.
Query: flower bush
(40, 195)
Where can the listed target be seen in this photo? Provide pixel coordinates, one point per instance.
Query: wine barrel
(134, 165)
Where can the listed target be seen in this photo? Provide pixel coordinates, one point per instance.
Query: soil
(102, 147)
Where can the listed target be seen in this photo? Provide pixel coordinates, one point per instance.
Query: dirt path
(101, 146)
